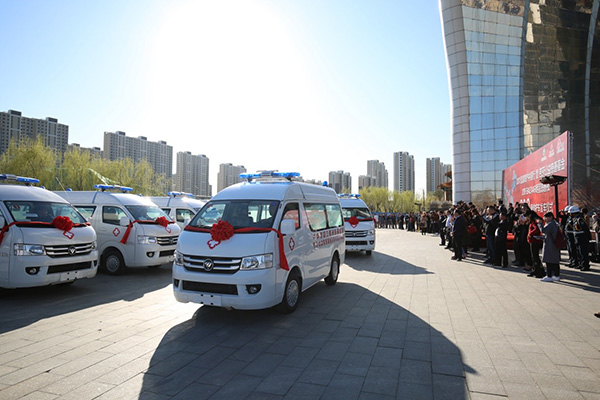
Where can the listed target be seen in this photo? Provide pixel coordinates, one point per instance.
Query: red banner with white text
(521, 181)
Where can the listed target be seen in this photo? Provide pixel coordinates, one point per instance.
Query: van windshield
(146, 213)
(239, 213)
(358, 212)
(42, 211)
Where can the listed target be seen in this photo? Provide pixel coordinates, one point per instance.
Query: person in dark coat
(500, 241)
(550, 253)
(459, 235)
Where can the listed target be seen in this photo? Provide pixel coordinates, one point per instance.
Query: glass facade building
(521, 72)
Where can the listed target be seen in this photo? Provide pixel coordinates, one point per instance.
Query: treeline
(79, 170)
(383, 200)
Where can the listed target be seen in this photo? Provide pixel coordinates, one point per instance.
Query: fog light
(150, 254)
(176, 283)
(372, 242)
(32, 270)
(253, 289)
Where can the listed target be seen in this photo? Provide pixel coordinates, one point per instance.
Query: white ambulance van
(43, 239)
(180, 207)
(260, 243)
(132, 230)
(359, 224)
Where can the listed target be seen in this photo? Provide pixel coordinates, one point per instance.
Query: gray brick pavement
(405, 323)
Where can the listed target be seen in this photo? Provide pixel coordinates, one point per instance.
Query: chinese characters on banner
(521, 181)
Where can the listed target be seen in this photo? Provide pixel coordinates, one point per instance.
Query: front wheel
(369, 252)
(291, 296)
(334, 272)
(112, 262)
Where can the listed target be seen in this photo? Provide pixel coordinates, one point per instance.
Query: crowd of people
(495, 228)
(498, 227)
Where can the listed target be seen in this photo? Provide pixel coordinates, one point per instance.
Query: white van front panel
(143, 252)
(63, 260)
(225, 285)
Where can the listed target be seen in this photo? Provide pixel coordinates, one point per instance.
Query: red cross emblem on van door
(116, 231)
(292, 244)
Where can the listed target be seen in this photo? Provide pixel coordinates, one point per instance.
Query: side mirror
(124, 221)
(186, 221)
(288, 226)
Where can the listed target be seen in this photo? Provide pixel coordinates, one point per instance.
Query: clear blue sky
(302, 85)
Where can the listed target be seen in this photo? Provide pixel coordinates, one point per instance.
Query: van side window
(317, 218)
(166, 210)
(182, 213)
(112, 215)
(334, 215)
(292, 211)
(86, 211)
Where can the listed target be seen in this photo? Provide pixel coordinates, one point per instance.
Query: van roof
(97, 197)
(352, 202)
(166, 201)
(33, 193)
(277, 190)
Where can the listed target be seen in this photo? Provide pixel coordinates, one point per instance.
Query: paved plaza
(404, 323)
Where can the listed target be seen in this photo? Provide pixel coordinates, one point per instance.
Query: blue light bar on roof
(20, 179)
(349, 195)
(113, 187)
(175, 194)
(270, 174)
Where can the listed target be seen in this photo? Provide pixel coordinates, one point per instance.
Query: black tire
(334, 272)
(369, 252)
(291, 295)
(112, 262)
(154, 266)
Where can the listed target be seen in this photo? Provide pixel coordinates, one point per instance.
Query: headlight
(371, 232)
(29, 249)
(146, 239)
(257, 262)
(94, 245)
(178, 258)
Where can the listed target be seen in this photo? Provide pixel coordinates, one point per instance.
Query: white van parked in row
(132, 231)
(359, 224)
(180, 207)
(43, 239)
(260, 243)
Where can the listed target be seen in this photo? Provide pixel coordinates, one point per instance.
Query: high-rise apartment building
(92, 151)
(229, 175)
(376, 170)
(192, 174)
(404, 172)
(14, 126)
(521, 73)
(365, 181)
(117, 146)
(434, 173)
(340, 181)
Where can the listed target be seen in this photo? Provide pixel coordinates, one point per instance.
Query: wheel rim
(335, 270)
(113, 263)
(292, 293)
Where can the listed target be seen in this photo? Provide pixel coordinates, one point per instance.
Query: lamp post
(554, 180)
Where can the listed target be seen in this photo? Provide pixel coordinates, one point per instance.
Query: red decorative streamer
(26, 224)
(162, 221)
(223, 230)
(353, 221)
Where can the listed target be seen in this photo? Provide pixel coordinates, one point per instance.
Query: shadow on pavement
(342, 342)
(22, 307)
(382, 263)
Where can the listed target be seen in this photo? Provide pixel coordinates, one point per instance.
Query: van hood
(39, 235)
(239, 245)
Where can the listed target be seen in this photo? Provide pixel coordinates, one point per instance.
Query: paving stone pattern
(404, 323)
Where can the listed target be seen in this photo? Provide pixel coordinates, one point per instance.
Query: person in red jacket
(534, 238)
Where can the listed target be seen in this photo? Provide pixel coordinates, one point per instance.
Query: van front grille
(68, 250)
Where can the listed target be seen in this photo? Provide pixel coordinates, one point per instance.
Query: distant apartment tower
(376, 170)
(365, 181)
(404, 172)
(229, 175)
(14, 126)
(92, 151)
(340, 181)
(118, 146)
(192, 174)
(434, 173)
(446, 170)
